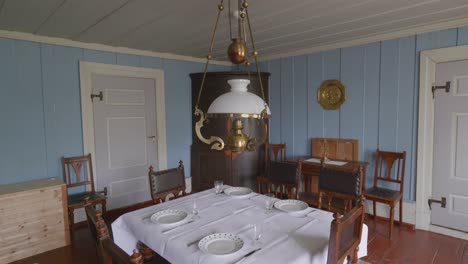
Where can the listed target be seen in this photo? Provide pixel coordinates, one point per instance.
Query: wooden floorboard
(407, 246)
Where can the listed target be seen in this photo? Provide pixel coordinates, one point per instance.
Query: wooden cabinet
(33, 218)
(210, 165)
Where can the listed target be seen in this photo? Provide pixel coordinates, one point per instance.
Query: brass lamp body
(237, 141)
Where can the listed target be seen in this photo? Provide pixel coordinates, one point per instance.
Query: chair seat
(77, 200)
(387, 194)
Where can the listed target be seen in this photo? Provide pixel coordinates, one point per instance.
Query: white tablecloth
(285, 238)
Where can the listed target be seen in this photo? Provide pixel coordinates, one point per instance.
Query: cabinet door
(209, 166)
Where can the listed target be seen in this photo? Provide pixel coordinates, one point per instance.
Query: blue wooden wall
(382, 97)
(40, 108)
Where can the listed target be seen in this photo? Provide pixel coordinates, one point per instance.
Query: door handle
(442, 202)
(152, 137)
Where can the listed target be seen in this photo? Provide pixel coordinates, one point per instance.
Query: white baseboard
(383, 210)
(448, 232)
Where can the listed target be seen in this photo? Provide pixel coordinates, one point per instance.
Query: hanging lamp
(239, 104)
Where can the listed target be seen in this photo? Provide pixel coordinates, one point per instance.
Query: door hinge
(442, 202)
(437, 87)
(100, 95)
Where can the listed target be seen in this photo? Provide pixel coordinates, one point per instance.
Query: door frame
(428, 61)
(87, 69)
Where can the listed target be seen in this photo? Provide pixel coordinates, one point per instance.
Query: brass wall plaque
(331, 94)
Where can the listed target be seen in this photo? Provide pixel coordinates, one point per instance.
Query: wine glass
(218, 186)
(269, 201)
(195, 210)
(257, 233)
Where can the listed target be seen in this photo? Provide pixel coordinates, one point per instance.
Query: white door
(124, 136)
(450, 159)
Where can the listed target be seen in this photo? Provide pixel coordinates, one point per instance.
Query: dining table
(284, 237)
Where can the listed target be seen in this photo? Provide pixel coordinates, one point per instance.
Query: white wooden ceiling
(184, 27)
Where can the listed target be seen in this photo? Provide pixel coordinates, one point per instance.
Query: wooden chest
(33, 218)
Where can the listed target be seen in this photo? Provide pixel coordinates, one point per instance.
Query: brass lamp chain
(209, 56)
(230, 19)
(254, 52)
(247, 61)
(239, 4)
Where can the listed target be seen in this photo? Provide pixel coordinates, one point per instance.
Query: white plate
(290, 205)
(169, 216)
(238, 191)
(220, 244)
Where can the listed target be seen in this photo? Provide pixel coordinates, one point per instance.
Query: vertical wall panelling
(404, 132)
(462, 36)
(40, 106)
(447, 38)
(382, 97)
(40, 103)
(8, 98)
(300, 106)
(31, 120)
(389, 76)
(128, 60)
(22, 136)
(353, 77)
(62, 108)
(370, 139)
(275, 101)
(287, 104)
(315, 111)
(178, 111)
(151, 62)
(331, 70)
(99, 56)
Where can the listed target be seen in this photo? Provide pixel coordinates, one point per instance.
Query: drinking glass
(269, 201)
(257, 232)
(218, 186)
(195, 210)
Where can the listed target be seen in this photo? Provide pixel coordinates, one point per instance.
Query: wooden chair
(384, 164)
(108, 252)
(282, 178)
(165, 182)
(345, 235)
(340, 187)
(273, 152)
(78, 173)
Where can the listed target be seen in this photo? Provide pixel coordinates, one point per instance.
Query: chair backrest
(385, 162)
(285, 177)
(108, 252)
(78, 171)
(345, 235)
(275, 152)
(341, 184)
(165, 182)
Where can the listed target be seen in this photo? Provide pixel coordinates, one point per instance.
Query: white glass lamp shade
(238, 101)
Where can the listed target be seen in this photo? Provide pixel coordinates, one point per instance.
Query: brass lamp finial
(237, 51)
